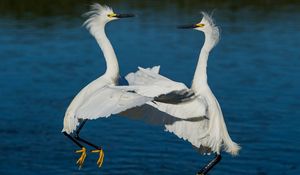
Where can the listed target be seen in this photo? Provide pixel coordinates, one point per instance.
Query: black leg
(77, 132)
(77, 137)
(81, 159)
(86, 142)
(97, 149)
(80, 127)
(210, 165)
(71, 138)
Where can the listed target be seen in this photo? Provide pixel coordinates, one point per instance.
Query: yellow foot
(101, 156)
(81, 159)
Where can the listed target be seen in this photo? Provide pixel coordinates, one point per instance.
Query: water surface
(47, 57)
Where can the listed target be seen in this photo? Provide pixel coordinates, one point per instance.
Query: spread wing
(186, 119)
(170, 96)
(196, 107)
(109, 100)
(103, 103)
(153, 84)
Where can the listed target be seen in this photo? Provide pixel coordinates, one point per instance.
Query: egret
(200, 119)
(99, 98)
(103, 97)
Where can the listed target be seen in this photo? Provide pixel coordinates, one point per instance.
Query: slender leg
(77, 137)
(97, 148)
(210, 165)
(77, 132)
(80, 126)
(81, 159)
(71, 138)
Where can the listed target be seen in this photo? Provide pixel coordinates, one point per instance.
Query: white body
(199, 120)
(209, 134)
(101, 98)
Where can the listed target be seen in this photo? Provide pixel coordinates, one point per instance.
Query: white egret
(99, 98)
(200, 120)
(102, 97)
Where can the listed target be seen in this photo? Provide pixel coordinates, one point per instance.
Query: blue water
(254, 72)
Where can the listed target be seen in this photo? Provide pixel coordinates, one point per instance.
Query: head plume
(211, 27)
(97, 17)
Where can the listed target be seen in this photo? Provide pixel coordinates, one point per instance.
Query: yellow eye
(200, 25)
(112, 15)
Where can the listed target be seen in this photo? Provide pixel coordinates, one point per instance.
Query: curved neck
(112, 66)
(200, 76)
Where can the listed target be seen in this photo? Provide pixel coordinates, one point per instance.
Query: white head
(207, 26)
(99, 15)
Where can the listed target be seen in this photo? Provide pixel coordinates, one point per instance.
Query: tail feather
(231, 147)
(70, 123)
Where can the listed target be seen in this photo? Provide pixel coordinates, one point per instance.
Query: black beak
(124, 15)
(189, 26)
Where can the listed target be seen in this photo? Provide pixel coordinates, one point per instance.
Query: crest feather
(214, 27)
(97, 14)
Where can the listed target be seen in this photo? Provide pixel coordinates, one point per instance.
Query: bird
(99, 98)
(103, 97)
(199, 119)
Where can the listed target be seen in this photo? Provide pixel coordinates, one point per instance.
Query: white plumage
(101, 98)
(192, 114)
(156, 84)
(109, 100)
(199, 120)
(149, 83)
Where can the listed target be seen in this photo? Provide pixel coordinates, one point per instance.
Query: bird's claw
(81, 159)
(101, 156)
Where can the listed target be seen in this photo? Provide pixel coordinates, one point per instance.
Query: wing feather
(192, 128)
(153, 84)
(109, 100)
(187, 120)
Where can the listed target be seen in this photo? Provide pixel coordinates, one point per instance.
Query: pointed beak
(190, 26)
(124, 15)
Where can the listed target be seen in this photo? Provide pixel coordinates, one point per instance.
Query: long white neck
(200, 76)
(112, 66)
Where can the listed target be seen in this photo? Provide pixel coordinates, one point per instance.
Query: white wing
(187, 120)
(193, 108)
(153, 84)
(194, 132)
(102, 103)
(192, 128)
(109, 100)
